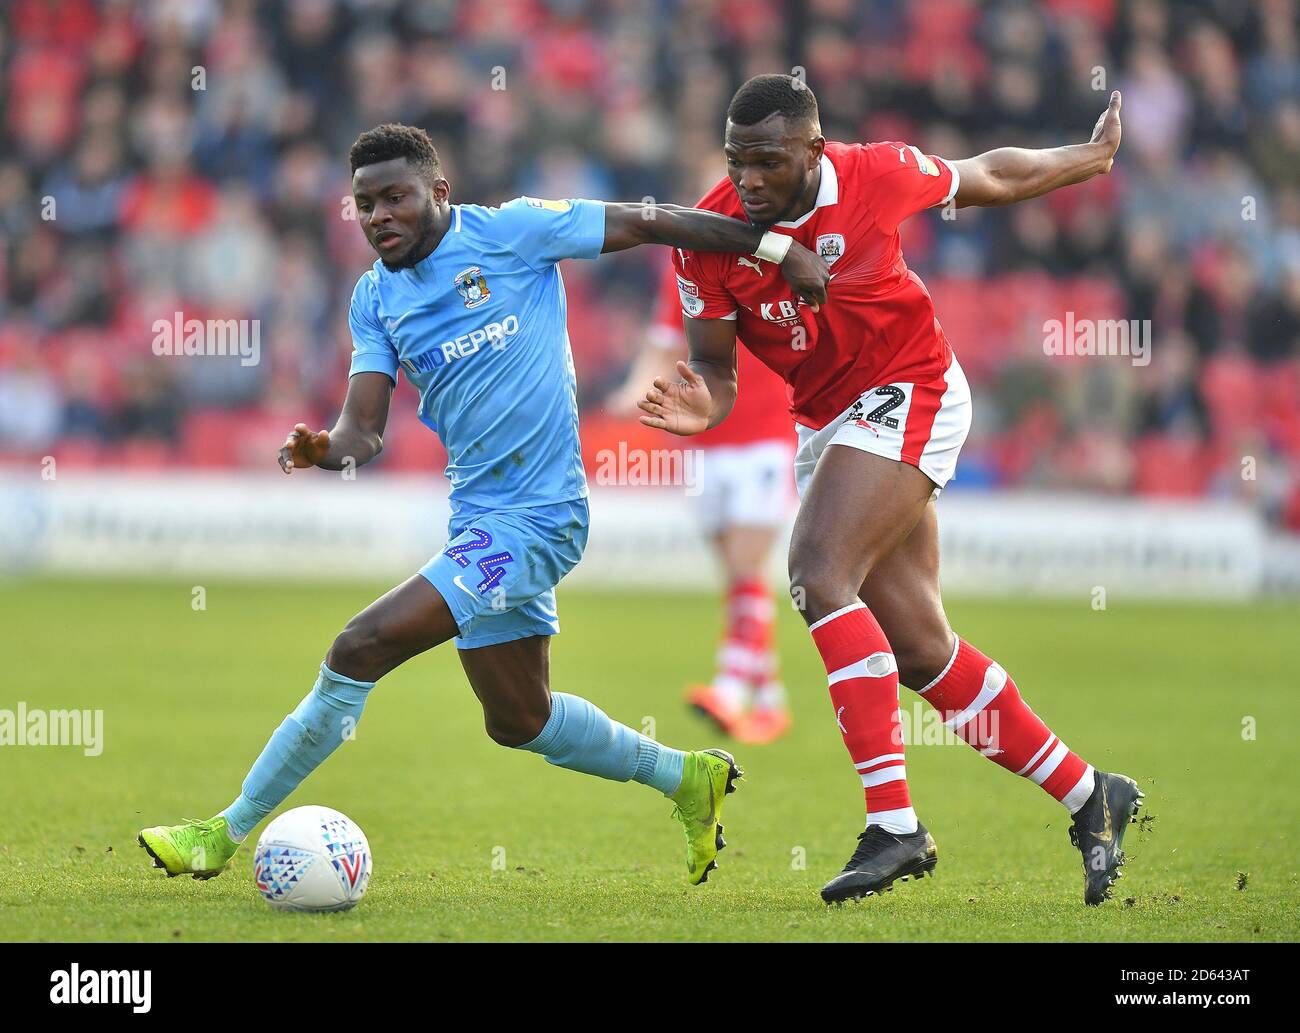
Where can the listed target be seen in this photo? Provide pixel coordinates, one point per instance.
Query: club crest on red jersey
(830, 246)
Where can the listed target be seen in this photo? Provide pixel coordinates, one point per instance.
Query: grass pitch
(475, 842)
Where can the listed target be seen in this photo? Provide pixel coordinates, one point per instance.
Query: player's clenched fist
(680, 407)
(303, 448)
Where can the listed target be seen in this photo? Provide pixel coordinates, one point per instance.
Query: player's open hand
(807, 274)
(680, 407)
(1106, 131)
(303, 448)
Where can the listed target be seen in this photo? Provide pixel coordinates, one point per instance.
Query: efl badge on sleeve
(692, 303)
(472, 285)
(924, 163)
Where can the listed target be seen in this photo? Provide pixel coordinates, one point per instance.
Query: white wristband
(773, 247)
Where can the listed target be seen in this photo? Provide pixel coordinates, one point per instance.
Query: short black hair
(394, 140)
(766, 95)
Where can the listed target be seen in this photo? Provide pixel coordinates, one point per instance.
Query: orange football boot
(764, 725)
(707, 701)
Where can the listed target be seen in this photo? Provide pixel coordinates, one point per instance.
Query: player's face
(771, 165)
(397, 209)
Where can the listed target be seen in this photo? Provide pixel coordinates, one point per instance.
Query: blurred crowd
(191, 156)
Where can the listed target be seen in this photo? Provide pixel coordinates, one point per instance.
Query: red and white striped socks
(976, 698)
(746, 659)
(863, 678)
(981, 704)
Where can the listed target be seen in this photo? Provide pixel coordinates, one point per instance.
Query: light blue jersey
(478, 326)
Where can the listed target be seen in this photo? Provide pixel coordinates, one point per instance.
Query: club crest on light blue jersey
(472, 285)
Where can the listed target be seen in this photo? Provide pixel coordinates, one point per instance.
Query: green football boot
(198, 848)
(707, 777)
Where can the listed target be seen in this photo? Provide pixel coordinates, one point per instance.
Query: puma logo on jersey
(752, 263)
(923, 163)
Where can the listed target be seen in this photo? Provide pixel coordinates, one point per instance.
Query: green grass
(1156, 691)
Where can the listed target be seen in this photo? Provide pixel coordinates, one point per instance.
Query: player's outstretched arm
(1011, 174)
(707, 391)
(629, 225)
(357, 436)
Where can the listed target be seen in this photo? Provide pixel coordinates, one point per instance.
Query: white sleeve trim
(956, 180)
(729, 315)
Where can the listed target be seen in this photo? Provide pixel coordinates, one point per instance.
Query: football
(312, 859)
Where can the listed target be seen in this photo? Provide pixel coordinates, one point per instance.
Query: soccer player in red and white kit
(744, 494)
(882, 409)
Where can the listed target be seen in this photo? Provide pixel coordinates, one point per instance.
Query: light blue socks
(322, 721)
(579, 736)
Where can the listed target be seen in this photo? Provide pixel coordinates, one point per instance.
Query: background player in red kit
(744, 498)
(882, 409)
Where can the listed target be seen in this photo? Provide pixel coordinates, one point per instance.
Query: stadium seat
(1231, 386)
(78, 454)
(146, 454)
(1176, 467)
(208, 436)
(408, 445)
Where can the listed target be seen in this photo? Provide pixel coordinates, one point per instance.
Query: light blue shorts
(499, 569)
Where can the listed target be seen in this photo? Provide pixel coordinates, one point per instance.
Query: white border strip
(942, 674)
(838, 613)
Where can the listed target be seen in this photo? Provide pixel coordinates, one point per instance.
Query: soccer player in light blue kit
(468, 303)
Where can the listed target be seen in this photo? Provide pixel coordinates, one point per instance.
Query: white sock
(1078, 796)
(901, 821)
(730, 690)
(769, 696)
